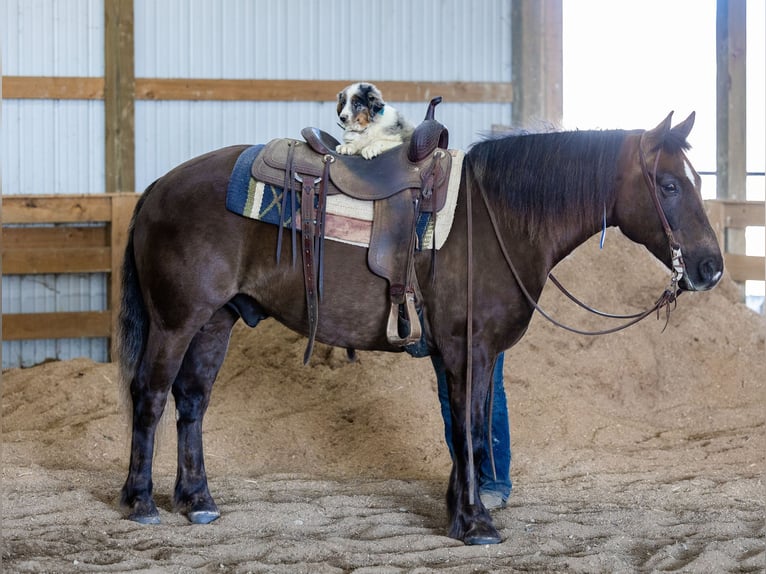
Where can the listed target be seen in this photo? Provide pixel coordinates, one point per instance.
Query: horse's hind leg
(149, 392)
(191, 391)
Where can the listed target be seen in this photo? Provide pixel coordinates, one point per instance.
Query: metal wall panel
(428, 40)
(169, 133)
(52, 38)
(52, 147)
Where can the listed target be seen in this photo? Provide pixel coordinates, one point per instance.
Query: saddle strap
(308, 226)
(286, 190)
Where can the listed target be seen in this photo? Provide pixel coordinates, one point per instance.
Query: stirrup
(392, 328)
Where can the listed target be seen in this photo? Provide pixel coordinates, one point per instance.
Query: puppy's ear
(341, 101)
(375, 103)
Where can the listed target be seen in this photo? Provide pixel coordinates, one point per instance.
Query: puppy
(371, 126)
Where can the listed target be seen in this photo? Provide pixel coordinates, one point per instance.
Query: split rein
(668, 298)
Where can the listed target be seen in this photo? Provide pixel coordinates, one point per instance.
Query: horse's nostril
(709, 269)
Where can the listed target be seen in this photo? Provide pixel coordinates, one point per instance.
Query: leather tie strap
(308, 225)
(321, 212)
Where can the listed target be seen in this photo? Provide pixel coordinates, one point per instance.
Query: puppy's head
(358, 106)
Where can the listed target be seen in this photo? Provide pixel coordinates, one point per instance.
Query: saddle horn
(428, 136)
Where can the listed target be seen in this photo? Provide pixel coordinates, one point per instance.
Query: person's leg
(443, 393)
(495, 487)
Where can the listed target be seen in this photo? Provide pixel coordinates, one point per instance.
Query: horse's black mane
(549, 181)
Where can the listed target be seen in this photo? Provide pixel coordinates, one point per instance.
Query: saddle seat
(402, 182)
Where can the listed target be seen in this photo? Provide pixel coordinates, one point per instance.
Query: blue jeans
(501, 434)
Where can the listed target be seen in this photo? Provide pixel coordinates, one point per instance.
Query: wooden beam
(67, 325)
(53, 88)
(536, 62)
(315, 90)
(119, 96)
(191, 89)
(744, 267)
(69, 236)
(56, 208)
(35, 260)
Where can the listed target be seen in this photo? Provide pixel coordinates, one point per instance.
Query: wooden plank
(68, 325)
(194, 89)
(69, 235)
(32, 261)
(56, 208)
(741, 214)
(119, 96)
(53, 88)
(315, 90)
(745, 267)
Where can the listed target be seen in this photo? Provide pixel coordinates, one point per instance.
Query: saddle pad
(348, 220)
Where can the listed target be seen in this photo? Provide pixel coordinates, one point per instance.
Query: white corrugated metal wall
(51, 146)
(425, 40)
(58, 146)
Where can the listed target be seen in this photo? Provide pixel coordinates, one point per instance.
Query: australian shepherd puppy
(370, 125)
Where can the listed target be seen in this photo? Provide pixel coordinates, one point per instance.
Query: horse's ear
(656, 136)
(682, 130)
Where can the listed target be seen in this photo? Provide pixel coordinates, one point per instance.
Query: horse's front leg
(469, 519)
(191, 391)
(149, 392)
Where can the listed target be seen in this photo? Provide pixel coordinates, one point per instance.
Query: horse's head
(659, 204)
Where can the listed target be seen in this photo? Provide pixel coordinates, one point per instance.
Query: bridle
(677, 260)
(667, 300)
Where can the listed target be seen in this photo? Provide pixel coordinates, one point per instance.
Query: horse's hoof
(203, 516)
(145, 518)
(480, 534)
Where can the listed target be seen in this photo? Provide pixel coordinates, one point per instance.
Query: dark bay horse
(192, 269)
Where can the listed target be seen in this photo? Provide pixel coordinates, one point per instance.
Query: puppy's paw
(345, 149)
(372, 150)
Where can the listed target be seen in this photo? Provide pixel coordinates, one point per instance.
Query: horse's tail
(132, 324)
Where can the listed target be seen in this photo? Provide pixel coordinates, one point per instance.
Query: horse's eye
(669, 188)
(668, 185)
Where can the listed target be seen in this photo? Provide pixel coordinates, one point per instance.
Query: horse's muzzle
(705, 276)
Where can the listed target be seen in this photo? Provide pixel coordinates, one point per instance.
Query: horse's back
(194, 256)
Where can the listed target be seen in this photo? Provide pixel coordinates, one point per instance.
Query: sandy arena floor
(639, 451)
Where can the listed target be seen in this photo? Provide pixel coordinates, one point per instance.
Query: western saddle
(402, 182)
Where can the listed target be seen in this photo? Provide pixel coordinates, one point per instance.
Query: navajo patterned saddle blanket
(348, 220)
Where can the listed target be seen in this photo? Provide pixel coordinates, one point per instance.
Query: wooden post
(536, 62)
(731, 126)
(119, 96)
(122, 210)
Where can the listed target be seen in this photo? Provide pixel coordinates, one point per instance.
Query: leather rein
(668, 298)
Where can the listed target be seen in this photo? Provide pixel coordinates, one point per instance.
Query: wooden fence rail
(730, 214)
(70, 246)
